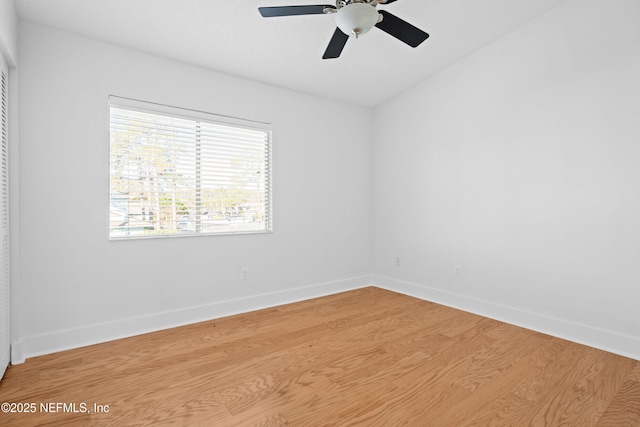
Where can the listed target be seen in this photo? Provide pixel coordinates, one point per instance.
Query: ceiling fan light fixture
(353, 17)
(356, 18)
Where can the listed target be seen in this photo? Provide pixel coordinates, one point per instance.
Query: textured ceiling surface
(230, 36)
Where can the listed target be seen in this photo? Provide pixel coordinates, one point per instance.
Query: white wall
(8, 31)
(521, 163)
(77, 287)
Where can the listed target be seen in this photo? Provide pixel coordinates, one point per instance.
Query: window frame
(197, 116)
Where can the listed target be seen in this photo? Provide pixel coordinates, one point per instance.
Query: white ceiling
(230, 36)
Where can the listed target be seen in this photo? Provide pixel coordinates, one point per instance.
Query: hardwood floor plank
(367, 357)
(493, 361)
(624, 408)
(635, 373)
(475, 403)
(563, 398)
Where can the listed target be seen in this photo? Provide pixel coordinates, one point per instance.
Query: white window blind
(177, 172)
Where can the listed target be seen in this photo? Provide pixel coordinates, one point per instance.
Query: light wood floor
(367, 357)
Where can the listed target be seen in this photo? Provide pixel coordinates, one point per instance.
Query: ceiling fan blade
(386, 2)
(336, 45)
(314, 9)
(401, 29)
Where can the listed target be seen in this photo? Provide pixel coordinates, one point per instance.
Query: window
(177, 172)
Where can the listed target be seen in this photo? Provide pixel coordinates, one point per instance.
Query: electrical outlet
(457, 271)
(397, 261)
(244, 273)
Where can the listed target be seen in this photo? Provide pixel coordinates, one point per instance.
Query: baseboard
(99, 333)
(624, 345)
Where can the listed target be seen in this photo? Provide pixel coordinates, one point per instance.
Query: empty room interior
(262, 213)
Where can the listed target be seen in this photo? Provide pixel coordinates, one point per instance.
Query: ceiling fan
(353, 17)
